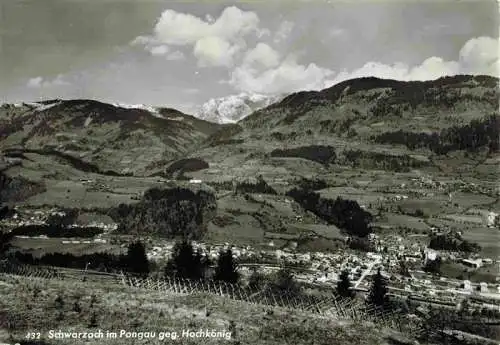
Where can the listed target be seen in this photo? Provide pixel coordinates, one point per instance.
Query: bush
(284, 284)
(257, 281)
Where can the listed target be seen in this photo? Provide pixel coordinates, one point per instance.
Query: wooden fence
(328, 306)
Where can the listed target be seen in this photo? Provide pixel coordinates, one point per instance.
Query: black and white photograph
(250, 172)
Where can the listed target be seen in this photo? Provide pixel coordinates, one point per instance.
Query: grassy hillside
(41, 305)
(108, 137)
(373, 124)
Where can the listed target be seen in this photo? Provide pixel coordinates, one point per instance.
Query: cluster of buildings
(95, 240)
(40, 217)
(324, 268)
(392, 255)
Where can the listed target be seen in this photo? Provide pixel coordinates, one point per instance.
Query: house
(483, 287)
(467, 286)
(472, 263)
(194, 181)
(487, 261)
(492, 217)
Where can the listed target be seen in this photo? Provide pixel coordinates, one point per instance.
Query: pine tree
(59, 302)
(344, 285)
(403, 269)
(185, 262)
(378, 291)
(76, 307)
(226, 268)
(198, 267)
(93, 321)
(137, 260)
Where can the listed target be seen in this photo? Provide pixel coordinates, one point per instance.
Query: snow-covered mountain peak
(230, 109)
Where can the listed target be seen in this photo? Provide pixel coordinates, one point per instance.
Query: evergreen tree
(344, 285)
(284, 283)
(403, 269)
(378, 291)
(185, 262)
(137, 260)
(226, 268)
(93, 321)
(4, 211)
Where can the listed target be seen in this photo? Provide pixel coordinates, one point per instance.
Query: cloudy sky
(182, 53)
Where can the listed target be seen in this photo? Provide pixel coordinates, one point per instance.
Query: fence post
(244, 295)
(233, 294)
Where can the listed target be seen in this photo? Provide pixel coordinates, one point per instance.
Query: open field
(458, 271)
(487, 238)
(40, 246)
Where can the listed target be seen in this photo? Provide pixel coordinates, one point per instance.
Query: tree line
(134, 261)
(170, 212)
(451, 243)
(345, 214)
(471, 137)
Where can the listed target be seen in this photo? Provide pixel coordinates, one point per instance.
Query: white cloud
(433, 68)
(284, 31)
(262, 55)
(336, 32)
(214, 51)
(164, 51)
(214, 41)
(477, 56)
(35, 82)
(175, 56)
(40, 82)
(209, 18)
(141, 40)
(289, 76)
(159, 50)
(480, 56)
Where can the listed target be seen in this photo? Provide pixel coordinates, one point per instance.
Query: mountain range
(368, 122)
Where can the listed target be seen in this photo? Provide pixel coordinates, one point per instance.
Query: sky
(183, 53)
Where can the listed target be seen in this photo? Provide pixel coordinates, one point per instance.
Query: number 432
(33, 335)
